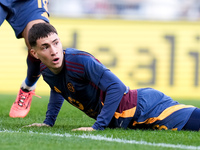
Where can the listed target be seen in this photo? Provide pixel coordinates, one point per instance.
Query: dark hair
(40, 30)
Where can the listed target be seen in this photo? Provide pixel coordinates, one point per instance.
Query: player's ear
(33, 53)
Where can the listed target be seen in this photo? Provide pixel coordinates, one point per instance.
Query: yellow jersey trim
(126, 113)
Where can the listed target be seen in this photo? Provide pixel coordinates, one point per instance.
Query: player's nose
(54, 50)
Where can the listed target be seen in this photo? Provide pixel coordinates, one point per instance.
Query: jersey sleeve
(111, 85)
(54, 106)
(114, 89)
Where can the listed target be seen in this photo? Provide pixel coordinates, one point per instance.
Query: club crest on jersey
(70, 87)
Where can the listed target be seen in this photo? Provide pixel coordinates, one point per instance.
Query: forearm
(54, 106)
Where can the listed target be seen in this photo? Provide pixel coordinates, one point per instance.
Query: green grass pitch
(14, 137)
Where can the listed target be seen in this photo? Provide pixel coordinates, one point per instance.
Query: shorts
(19, 13)
(193, 123)
(155, 110)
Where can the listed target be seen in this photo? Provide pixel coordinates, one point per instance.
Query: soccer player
(21, 15)
(87, 84)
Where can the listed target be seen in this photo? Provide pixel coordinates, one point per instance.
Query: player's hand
(37, 125)
(84, 129)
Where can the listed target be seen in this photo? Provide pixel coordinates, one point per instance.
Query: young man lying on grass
(83, 81)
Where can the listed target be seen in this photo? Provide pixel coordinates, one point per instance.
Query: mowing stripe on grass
(110, 139)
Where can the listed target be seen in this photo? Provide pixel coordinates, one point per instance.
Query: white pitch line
(110, 139)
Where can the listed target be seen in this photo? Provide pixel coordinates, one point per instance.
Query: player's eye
(56, 43)
(45, 47)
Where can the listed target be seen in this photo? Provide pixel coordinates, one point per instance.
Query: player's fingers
(74, 129)
(36, 125)
(77, 129)
(83, 129)
(27, 126)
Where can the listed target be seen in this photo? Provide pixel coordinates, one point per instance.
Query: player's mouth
(56, 60)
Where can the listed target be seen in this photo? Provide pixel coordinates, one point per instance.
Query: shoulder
(79, 56)
(81, 62)
(76, 52)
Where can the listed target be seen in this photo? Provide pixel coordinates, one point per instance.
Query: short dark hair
(40, 30)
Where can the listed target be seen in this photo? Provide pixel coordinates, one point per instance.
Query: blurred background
(127, 9)
(146, 43)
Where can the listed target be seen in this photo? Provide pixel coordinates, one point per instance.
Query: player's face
(49, 51)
